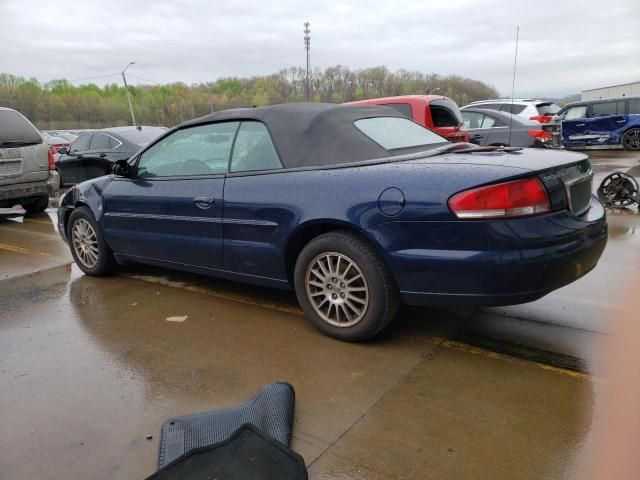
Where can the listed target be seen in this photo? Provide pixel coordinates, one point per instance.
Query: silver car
(27, 175)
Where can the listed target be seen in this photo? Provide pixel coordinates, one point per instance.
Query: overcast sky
(565, 46)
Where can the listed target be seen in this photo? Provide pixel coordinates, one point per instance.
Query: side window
(254, 149)
(604, 109)
(576, 112)
(201, 150)
(404, 108)
(472, 119)
(100, 141)
(488, 122)
(515, 108)
(81, 144)
(634, 106)
(490, 106)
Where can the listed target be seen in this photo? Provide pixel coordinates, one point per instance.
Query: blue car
(610, 122)
(356, 208)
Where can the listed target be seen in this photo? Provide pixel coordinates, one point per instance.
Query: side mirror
(63, 150)
(121, 168)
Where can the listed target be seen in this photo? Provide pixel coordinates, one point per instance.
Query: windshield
(142, 137)
(15, 130)
(394, 133)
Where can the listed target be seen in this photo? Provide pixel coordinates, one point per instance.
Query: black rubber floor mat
(248, 455)
(270, 410)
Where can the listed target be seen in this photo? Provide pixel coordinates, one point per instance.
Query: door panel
(603, 130)
(173, 220)
(172, 209)
(574, 126)
(72, 166)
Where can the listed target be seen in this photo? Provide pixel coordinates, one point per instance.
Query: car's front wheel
(344, 287)
(88, 247)
(631, 139)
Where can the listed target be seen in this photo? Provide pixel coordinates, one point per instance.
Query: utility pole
(126, 87)
(307, 46)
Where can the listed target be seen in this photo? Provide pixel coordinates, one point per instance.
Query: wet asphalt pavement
(89, 367)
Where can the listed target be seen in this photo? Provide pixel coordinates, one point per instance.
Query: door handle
(204, 202)
(102, 155)
(580, 124)
(621, 121)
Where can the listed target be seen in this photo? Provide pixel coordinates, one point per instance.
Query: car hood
(529, 159)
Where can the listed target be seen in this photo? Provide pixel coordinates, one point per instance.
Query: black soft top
(312, 134)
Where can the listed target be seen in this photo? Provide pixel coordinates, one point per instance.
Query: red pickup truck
(437, 113)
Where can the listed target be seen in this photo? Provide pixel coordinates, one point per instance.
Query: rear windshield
(142, 137)
(547, 108)
(445, 113)
(15, 130)
(394, 133)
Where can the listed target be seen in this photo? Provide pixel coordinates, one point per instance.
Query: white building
(614, 91)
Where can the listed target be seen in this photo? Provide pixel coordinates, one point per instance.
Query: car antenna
(513, 84)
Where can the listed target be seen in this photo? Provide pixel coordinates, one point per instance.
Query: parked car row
(92, 154)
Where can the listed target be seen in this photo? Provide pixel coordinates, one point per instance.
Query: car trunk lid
(567, 176)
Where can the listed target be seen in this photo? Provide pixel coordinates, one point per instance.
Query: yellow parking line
(24, 251)
(43, 222)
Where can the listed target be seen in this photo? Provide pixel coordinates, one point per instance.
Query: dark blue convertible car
(356, 208)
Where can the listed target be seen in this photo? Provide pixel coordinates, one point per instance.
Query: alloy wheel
(85, 243)
(337, 289)
(631, 140)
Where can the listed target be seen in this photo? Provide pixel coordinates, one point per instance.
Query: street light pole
(307, 47)
(126, 87)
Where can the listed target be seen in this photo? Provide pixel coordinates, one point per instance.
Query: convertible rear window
(393, 133)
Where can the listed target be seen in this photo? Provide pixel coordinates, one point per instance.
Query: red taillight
(511, 199)
(541, 135)
(52, 165)
(542, 118)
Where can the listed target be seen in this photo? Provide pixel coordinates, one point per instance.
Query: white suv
(528, 108)
(27, 175)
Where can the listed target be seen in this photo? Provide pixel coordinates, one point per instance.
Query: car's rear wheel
(344, 287)
(36, 204)
(631, 139)
(88, 247)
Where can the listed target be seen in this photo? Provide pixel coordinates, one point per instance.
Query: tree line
(61, 105)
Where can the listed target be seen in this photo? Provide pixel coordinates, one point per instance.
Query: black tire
(105, 263)
(382, 295)
(631, 139)
(36, 204)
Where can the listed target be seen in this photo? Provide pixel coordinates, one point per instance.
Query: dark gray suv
(27, 176)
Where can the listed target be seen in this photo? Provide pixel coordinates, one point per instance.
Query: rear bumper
(549, 252)
(20, 191)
